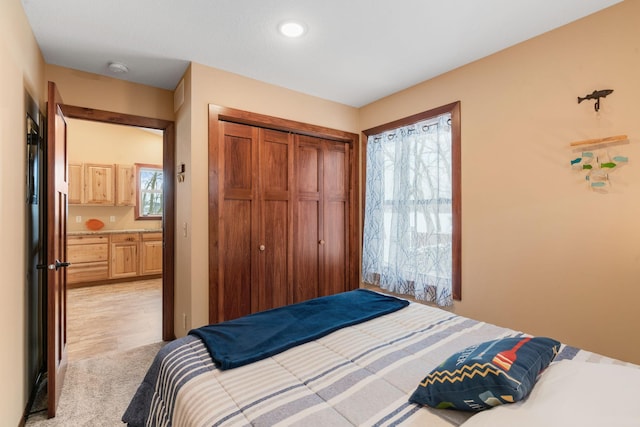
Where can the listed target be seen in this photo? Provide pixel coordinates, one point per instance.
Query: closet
(282, 213)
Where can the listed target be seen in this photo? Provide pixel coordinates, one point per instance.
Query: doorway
(167, 221)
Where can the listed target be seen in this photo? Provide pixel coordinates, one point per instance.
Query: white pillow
(572, 393)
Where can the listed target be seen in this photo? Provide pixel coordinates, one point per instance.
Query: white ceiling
(354, 52)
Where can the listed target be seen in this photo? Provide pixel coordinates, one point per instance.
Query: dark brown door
(279, 187)
(254, 224)
(308, 273)
(321, 218)
(238, 220)
(335, 225)
(57, 189)
(275, 242)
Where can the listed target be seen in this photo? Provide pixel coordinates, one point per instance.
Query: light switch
(112, 218)
(78, 219)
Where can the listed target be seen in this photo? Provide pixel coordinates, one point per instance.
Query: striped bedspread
(361, 375)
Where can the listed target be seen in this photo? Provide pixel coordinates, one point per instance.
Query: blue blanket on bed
(254, 337)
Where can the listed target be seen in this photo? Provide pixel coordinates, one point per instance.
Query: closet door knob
(262, 248)
(321, 242)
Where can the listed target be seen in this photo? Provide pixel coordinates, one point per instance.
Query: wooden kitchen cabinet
(89, 257)
(76, 184)
(99, 183)
(106, 257)
(150, 253)
(124, 255)
(125, 185)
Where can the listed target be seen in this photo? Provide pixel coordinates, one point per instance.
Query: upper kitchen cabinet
(76, 184)
(99, 184)
(125, 185)
(102, 185)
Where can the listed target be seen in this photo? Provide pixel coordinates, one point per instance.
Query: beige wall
(184, 201)
(107, 143)
(21, 70)
(109, 94)
(211, 86)
(541, 252)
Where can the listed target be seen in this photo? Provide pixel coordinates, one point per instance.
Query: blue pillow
(485, 375)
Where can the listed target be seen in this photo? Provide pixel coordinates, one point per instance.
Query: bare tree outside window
(149, 183)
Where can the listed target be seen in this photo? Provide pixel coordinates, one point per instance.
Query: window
(149, 183)
(411, 237)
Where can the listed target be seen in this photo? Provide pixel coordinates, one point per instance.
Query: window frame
(139, 167)
(456, 180)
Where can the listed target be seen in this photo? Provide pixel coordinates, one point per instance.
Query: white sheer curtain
(408, 211)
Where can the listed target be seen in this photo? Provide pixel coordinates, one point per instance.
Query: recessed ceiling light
(292, 29)
(118, 67)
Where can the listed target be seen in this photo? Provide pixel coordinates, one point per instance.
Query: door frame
(168, 217)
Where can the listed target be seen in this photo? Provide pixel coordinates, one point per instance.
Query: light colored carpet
(97, 390)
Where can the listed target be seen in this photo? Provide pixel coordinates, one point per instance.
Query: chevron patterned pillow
(488, 374)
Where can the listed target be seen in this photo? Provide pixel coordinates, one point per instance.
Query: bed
(364, 373)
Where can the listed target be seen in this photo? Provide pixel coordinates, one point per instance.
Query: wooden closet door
(238, 220)
(276, 226)
(308, 258)
(335, 233)
(322, 218)
(283, 214)
(255, 223)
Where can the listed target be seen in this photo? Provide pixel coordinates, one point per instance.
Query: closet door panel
(276, 171)
(239, 221)
(336, 217)
(274, 161)
(336, 171)
(238, 158)
(308, 225)
(335, 248)
(237, 271)
(307, 251)
(274, 290)
(308, 168)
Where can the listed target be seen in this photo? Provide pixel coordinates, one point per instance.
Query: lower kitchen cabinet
(151, 253)
(89, 258)
(106, 257)
(124, 255)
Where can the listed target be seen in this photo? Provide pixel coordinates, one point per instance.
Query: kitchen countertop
(133, 230)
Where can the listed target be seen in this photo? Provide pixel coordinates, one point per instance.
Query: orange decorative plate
(94, 224)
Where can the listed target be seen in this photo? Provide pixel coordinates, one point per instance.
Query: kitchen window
(149, 184)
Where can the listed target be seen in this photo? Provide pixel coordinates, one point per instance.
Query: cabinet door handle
(321, 242)
(262, 248)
